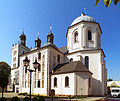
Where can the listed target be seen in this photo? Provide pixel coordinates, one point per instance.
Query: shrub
(35, 99)
(41, 98)
(3, 99)
(26, 99)
(22, 94)
(15, 99)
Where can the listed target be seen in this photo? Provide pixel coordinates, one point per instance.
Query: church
(76, 69)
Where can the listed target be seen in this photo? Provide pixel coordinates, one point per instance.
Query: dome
(83, 17)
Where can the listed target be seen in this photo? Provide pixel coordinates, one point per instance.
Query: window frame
(58, 58)
(38, 84)
(55, 81)
(39, 56)
(66, 81)
(76, 37)
(89, 35)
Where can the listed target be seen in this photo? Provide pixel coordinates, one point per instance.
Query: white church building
(76, 69)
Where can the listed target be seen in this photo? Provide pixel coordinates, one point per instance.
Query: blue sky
(38, 15)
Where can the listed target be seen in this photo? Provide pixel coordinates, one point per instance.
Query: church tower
(17, 50)
(84, 44)
(83, 34)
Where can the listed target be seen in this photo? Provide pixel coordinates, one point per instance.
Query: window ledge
(90, 41)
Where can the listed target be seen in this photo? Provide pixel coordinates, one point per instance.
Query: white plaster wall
(61, 89)
(19, 48)
(82, 84)
(94, 67)
(15, 48)
(31, 56)
(83, 44)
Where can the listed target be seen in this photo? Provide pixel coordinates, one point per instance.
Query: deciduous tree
(4, 75)
(108, 2)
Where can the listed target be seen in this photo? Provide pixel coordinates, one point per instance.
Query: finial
(23, 31)
(83, 13)
(50, 28)
(38, 34)
(85, 10)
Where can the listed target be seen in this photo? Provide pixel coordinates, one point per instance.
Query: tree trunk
(2, 92)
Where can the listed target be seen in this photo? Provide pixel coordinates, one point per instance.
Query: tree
(108, 2)
(4, 75)
(110, 79)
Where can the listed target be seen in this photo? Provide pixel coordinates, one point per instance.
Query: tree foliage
(110, 79)
(108, 2)
(4, 75)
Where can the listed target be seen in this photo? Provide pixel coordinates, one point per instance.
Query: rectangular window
(42, 83)
(23, 78)
(15, 52)
(43, 66)
(35, 84)
(58, 58)
(22, 83)
(42, 75)
(39, 56)
(14, 65)
(38, 83)
(14, 59)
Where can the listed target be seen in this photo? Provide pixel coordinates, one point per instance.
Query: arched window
(66, 81)
(89, 35)
(76, 37)
(87, 61)
(89, 82)
(55, 82)
(71, 60)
